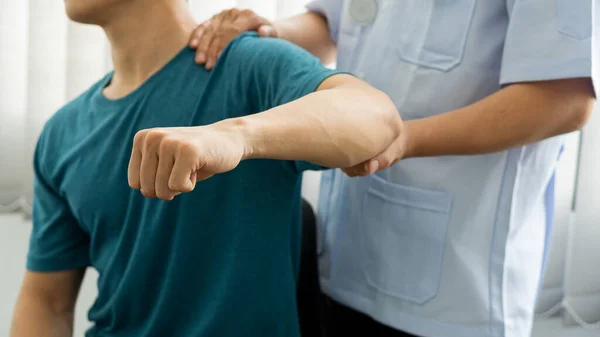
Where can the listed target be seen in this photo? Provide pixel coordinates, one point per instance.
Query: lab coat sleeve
(331, 10)
(549, 40)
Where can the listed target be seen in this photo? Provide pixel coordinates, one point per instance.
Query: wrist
(238, 131)
(411, 134)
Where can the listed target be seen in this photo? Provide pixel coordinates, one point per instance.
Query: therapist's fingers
(267, 31)
(221, 39)
(233, 23)
(196, 36)
(208, 31)
(362, 169)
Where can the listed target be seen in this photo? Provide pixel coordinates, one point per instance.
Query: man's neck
(143, 40)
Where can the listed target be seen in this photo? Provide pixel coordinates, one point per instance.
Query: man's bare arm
(343, 123)
(46, 304)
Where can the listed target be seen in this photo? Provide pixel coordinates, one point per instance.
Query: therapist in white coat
(446, 239)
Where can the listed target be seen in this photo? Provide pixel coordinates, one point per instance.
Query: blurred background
(45, 61)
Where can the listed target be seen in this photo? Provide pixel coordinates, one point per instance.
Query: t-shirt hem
(51, 265)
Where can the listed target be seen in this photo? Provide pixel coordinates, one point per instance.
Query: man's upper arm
(57, 242)
(549, 40)
(58, 290)
(274, 71)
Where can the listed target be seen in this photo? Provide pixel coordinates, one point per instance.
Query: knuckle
(139, 137)
(164, 195)
(186, 148)
(179, 187)
(154, 136)
(135, 185)
(166, 145)
(148, 193)
(247, 12)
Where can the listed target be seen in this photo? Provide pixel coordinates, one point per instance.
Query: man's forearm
(517, 115)
(34, 318)
(338, 127)
(309, 31)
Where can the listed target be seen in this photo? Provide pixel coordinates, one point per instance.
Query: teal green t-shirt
(220, 261)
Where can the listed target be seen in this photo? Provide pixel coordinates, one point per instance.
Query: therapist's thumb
(267, 31)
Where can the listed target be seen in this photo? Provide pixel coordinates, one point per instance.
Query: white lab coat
(447, 246)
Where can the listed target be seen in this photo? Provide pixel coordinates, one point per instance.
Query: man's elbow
(389, 118)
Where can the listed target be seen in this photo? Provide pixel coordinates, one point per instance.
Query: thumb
(267, 31)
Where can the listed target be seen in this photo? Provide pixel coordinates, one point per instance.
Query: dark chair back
(309, 296)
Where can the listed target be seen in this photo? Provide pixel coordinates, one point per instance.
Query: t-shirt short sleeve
(548, 40)
(277, 72)
(57, 241)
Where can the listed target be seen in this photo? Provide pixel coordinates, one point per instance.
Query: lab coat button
(363, 12)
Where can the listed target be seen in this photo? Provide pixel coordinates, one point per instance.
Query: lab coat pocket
(574, 18)
(403, 236)
(433, 33)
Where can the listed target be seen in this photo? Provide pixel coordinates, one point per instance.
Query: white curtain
(46, 61)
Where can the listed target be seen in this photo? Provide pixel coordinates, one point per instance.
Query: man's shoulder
(64, 121)
(76, 106)
(265, 50)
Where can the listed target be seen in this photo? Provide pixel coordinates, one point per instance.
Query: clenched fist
(168, 161)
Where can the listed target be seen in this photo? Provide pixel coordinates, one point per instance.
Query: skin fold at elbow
(389, 128)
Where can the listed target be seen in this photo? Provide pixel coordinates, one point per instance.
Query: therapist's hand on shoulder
(213, 35)
(397, 151)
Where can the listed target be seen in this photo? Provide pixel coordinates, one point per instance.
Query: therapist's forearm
(517, 115)
(309, 31)
(338, 127)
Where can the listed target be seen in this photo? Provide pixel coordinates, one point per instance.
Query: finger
(267, 31)
(196, 36)
(135, 161)
(350, 171)
(371, 166)
(203, 42)
(163, 173)
(248, 20)
(206, 39)
(183, 174)
(215, 49)
(149, 164)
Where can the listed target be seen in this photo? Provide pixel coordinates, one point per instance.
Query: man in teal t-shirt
(210, 248)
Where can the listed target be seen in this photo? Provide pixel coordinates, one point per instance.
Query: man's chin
(77, 13)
